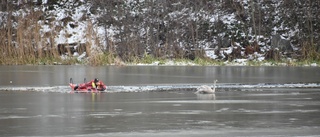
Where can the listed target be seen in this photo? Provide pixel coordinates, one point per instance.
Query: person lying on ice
(95, 84)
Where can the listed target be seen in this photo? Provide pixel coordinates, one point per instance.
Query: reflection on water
(206, 96)
(238, 108)
(145, 75)
(161, 113)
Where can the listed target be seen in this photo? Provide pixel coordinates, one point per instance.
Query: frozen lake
(160, 101)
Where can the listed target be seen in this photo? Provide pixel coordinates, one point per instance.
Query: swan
(204, 89)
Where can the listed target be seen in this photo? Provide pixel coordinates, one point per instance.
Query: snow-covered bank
(236, 62)
(176, 87)
(237, 31)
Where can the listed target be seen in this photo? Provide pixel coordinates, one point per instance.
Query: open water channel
(249, 101)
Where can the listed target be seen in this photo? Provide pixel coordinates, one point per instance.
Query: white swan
(206, 89)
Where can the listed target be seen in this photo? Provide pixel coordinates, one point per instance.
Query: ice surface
(175, 87)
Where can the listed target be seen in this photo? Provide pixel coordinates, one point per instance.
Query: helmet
(96, 80)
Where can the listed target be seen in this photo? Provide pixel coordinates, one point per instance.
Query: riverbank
(185, 62)
(190, 63)
(107, 60)
(238, 62)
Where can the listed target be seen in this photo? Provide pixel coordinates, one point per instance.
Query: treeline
(173, 28)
